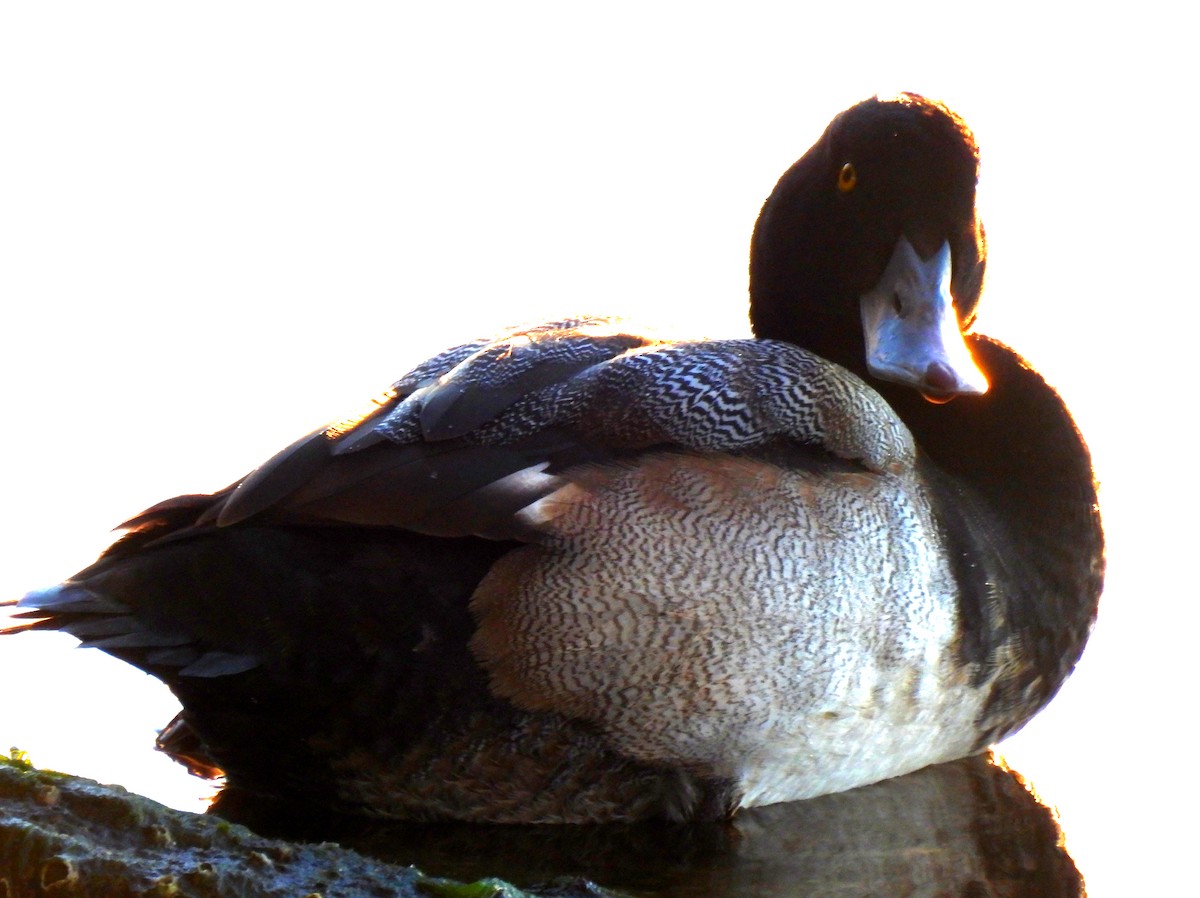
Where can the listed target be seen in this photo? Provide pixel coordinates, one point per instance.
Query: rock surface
(71, 837)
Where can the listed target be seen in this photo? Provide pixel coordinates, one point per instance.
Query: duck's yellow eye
(847, 178)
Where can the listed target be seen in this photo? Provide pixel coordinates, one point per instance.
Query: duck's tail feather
(99, 621)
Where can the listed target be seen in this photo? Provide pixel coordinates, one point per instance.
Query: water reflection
(969, 828)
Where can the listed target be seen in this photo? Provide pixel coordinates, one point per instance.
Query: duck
(579, 572)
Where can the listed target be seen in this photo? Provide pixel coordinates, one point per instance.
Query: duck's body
(579, 574)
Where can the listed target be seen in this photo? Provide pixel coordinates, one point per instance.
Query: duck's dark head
(870, 252)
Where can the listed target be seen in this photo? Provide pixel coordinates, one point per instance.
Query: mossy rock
(73, 838)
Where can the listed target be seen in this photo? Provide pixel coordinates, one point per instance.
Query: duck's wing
(468, 440)
(493, 438)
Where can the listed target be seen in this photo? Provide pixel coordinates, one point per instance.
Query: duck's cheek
(911, 329)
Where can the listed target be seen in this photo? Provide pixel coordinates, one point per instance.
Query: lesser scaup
(578, 573)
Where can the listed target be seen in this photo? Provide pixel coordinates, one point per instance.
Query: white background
(222, 224)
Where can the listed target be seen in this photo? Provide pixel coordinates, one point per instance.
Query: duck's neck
(1019, 506)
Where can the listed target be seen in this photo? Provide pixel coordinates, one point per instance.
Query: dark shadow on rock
(967, 828)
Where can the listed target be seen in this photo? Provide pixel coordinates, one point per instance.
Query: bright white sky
(222, 224)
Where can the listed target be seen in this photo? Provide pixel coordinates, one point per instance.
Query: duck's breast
(788, 628)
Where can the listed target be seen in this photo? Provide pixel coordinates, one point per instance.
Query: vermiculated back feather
(500, 429)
